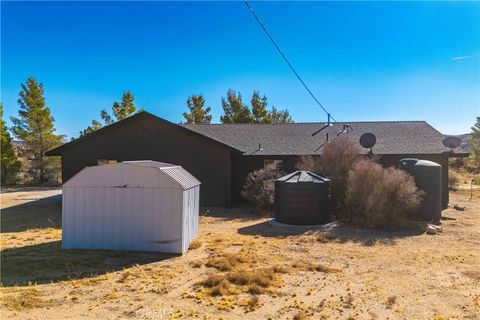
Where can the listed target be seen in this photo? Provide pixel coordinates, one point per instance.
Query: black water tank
(302, 198)
(428, 177)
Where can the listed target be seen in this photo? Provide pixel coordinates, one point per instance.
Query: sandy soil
(333, 272)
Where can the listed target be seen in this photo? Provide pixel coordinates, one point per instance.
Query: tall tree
(197, 111)
(94, 126)
(259, 109)
(120, 111)
(35, 127)
(10, 165)
(234, 110)
(280, 116)
(474, 140)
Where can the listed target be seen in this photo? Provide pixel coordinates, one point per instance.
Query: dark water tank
(428, 177)
(302, 198)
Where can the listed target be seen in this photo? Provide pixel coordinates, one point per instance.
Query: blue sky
(364, 61)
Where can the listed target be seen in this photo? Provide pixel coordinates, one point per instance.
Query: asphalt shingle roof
(393, 137)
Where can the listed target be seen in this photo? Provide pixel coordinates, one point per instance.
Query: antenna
(328, 124)
(452, 142)
(368, 140)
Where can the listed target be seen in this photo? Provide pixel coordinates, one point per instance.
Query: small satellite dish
(452, 142)
(368, 140)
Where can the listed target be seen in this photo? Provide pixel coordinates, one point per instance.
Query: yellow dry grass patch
(26, 298)
(195, 244)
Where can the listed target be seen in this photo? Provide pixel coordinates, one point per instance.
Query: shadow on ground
(243, 212)
(27, 189)
(47, 262)
(41, 213)
(331, 232)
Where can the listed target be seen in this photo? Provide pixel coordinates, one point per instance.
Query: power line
(286, 60)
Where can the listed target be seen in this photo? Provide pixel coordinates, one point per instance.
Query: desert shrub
(259, 188)
(335, 162)
(309, 163)
(453, 180)
(380, 197)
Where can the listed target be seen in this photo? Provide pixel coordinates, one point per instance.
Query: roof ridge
(295, 123)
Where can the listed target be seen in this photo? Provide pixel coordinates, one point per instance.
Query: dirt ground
(240, 267)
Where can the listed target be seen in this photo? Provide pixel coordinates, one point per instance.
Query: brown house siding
(147, 139)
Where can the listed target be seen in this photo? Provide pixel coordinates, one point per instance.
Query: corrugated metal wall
(191, 200)
(141, 219)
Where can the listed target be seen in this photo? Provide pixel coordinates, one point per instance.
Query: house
(222, 155)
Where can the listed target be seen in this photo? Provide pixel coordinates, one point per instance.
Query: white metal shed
(131, 205)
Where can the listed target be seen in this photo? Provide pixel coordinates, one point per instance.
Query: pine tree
(280, 116)
(35, 127)
(10, 165)
(126, 108)
(94, 126)
(234, 109)
(474, 141)
(120, 110)
(259, 109)
(197, 111)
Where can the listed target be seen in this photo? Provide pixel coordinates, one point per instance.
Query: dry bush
(335, 162)
(453, 180)
(217, 285)
(309, 163)
(259, 188)
(263, 278)
(380, 197)
(224, 263)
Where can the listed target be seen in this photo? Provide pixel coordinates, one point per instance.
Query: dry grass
(26, 298)
(196, 264)
(309, 266)
(301, 315)
(224, 263)
(195, 244)
(252, 303)
(337, 273)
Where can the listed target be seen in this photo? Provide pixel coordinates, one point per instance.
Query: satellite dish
(452, 142)
(368, 140)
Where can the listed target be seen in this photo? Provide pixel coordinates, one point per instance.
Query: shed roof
(144, 173)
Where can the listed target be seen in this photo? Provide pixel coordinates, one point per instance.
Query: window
(270, 164)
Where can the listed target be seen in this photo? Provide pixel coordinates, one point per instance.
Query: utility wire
(286, 60)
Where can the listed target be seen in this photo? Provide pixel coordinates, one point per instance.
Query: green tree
(10, 165)
(280, 116)
(126, 108)
(35, 127)
(474, 141)
(94, 126)
(234, 110)
(120, 110)
(259, 109)
(197, 111)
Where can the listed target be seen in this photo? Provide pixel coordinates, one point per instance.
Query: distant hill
(462, 137)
